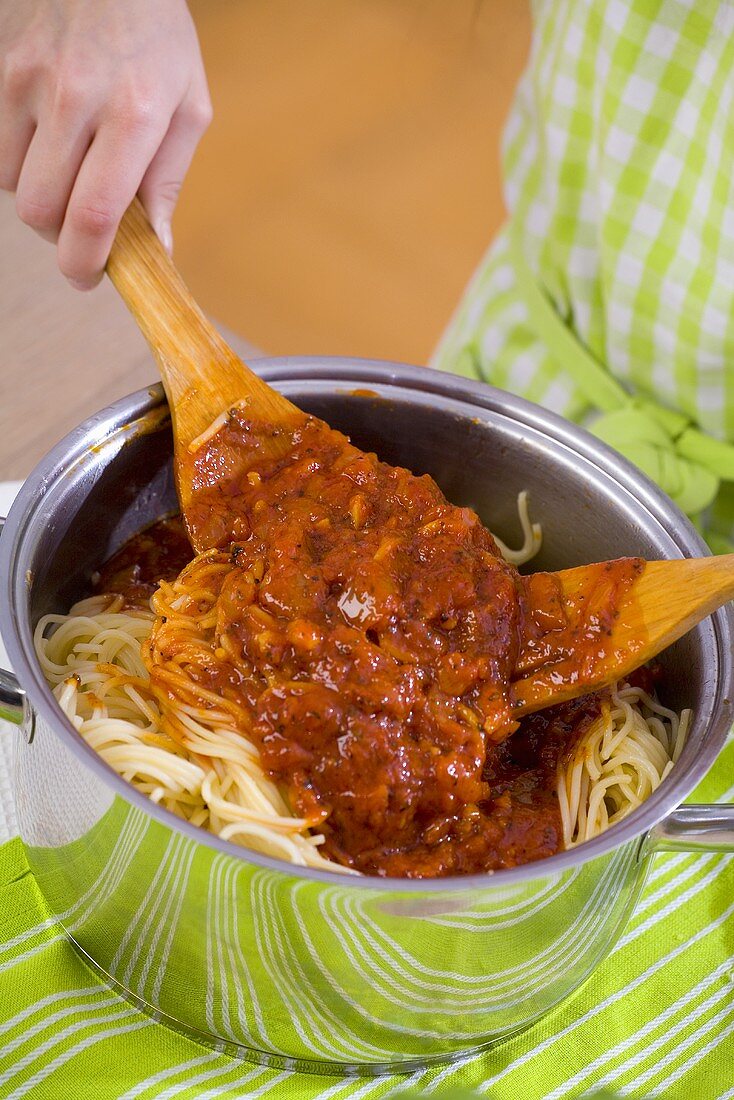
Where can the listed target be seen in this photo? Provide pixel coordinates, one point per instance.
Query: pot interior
(482, 447)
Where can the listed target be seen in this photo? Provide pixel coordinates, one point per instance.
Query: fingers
(46, 179)
(106, 184)
(17, 117)
(16, 134)
(147, 151)
(162, 181)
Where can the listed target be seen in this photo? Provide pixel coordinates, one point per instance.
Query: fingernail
(81, 284)
(166, 237)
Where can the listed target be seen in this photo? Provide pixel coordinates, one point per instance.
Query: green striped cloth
(656, 1018)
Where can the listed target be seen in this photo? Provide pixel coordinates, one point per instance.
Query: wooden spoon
(662, 601)
(203, 378)
(202, 375)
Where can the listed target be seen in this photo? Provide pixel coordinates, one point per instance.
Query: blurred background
(350, 180)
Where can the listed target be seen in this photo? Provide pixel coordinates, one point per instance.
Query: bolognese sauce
(371, 630)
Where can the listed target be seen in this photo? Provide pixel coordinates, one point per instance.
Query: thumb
(162, 182)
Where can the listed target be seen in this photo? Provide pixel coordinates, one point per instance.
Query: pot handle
(12, 699)
(12, 696)
(694, 829)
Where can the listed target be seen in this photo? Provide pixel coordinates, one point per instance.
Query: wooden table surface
(63, 354)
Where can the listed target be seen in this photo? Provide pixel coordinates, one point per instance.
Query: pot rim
(121, 420)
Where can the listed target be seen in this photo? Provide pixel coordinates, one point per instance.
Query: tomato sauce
(375, 630)
(158, 553)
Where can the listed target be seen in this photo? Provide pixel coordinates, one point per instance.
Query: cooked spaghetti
(131, 676)
(622, 758)
(208, 774)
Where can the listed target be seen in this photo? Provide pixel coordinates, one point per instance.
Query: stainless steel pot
(301, 967)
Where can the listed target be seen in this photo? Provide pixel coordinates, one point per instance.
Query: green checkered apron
(608, 298)
(611, 289)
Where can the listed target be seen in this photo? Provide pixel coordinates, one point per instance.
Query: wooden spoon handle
(201, 374)
(676, 595)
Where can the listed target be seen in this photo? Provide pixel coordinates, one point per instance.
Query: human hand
(99, 100)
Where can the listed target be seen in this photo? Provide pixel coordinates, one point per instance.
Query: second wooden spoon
(664, 600)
